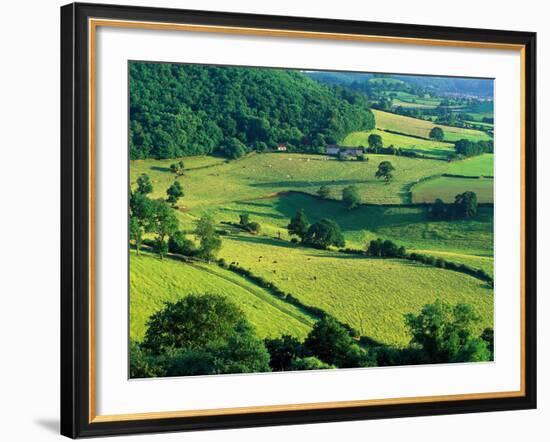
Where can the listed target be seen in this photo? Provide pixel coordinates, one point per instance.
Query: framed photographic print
(279, 220)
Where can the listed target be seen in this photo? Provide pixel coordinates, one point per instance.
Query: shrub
(178, 243)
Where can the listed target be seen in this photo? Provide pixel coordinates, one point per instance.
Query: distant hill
(440, 85)
(179, 110)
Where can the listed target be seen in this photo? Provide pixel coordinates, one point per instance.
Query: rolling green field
(421, 128)
(446, 188)
(482, 165)
(261, 175)
(407, 226)
(154, 282)
(370, 294)
(425, 147)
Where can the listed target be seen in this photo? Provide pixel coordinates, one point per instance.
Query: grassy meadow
(154, 282)
(421, 128)
(436, 149)
(270, 188)
(446, 188)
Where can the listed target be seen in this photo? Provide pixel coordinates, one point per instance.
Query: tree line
(178, 110)
(204, 334)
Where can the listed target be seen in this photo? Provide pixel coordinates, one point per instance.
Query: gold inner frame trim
(93, 24)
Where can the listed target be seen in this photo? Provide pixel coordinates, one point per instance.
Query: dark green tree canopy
(375, 141)
(447, 333)
(299, 224)
(324, 233)
(210, 242)
(174, 192)
(193, 322)
(144, 184)
(350, 197)
(437, 133)
(332, 344)
(466, 205)
(179, 110)
(385, 169)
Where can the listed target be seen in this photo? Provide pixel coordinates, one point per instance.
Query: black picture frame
(75, 220)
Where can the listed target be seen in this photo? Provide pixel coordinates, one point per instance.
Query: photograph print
(289, 219)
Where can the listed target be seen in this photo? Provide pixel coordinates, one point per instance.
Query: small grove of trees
(350, 197)
(198, 335)
(323, 234)
(447, 333)
(465, 206)
(298, 225)
(177, 168)
(385, 169)
(144, 184)
(437, 133)
(209, 334)
(385, 248)
(150, 216)
(209, 239)
(375, 141)
(174, 192)
(469, 148)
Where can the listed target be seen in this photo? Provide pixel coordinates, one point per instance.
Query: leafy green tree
(204, 334)
(177, 168)
(234, 148)
(283, 351)
(193, 322)
(180, 244)
(488, 336)
(350, 197)
(447, 333)
(437, 133)
(209, 239)
(465, 205)
(174, 192)
(324, 192)
(385, 169)
(323, 234)
(141, 217)
(332, 344)
(142, 363)
(298, 225)
(144, 184)
(160, 246)
(164, 223)
(309, 363)
(375, 141)
(244, 352)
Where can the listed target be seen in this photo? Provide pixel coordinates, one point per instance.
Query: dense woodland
(180, 110)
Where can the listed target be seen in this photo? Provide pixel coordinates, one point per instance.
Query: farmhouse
(281, 147)
(335, 149)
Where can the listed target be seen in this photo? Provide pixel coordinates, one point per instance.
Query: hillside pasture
(154, 282)
(407, 226)
(262, 175)
(436, 149)
(446, 188)
(421, 128)
(370, 294)
(481, 165)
